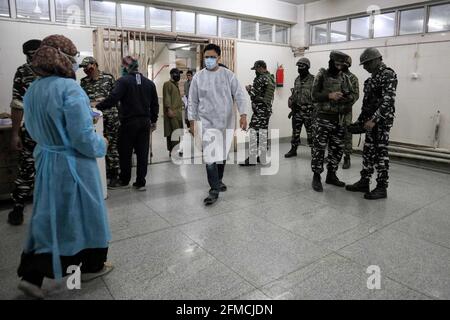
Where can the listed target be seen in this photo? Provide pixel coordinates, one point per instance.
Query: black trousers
(215, 175)
(134, 134)
(34, 267)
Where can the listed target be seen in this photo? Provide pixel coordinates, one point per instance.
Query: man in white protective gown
(212, 94)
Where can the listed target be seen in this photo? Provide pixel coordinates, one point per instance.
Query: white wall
(13, 34)
(247, 54)
(417, 100)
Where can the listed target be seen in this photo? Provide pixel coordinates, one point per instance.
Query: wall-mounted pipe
(419, 157)
(431, 154)
(436, 130)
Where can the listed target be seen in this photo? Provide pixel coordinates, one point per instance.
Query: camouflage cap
(259, 63)
(338, 56)
(304, 61)
(369, 54)
(31, 46)
(349, 61)
(87, 61)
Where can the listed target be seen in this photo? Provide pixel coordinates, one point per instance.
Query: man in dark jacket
(138, 114)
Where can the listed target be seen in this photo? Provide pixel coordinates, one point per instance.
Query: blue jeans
(215, 175)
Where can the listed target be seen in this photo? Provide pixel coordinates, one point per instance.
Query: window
(70, 11)
(207, 25)
(319, 34)
(439, 18)
(384, 25)
(228, 27)
(103, 13)
(248, 30)
(33, 9)
(185, 21)
(338, 31)
(133, 16)
(4, 8)
(360, 28)
(161, 19)
(281, 34)
(411, 21)
(265, 32)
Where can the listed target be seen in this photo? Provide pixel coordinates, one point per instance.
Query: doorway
(157, 54)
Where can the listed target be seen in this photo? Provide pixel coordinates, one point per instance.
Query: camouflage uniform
(98, 90)
(26, 171)
(302, 109)
(329, 127)
(379, 106)
(261, 95)
(348, 118)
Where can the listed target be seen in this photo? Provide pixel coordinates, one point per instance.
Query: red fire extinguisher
(280, 76)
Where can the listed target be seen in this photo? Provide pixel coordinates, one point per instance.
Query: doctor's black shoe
(117, 184)
(139, 187)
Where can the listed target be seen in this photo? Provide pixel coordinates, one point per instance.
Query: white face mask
(75, 67)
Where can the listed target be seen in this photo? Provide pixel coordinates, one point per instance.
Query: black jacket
(137, 96)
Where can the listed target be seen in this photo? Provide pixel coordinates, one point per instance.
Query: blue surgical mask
(210, 63)
(75, 67)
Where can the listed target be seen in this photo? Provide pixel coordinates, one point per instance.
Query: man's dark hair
(214, 47)
(189, 72)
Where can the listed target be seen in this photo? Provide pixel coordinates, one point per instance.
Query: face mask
(124, 71)
(75, 67)
(210, 63)
(176, 77)
(302, 71)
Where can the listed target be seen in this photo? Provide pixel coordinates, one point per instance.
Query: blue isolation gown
(69, 212)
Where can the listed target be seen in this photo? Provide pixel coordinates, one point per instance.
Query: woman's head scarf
(55, 57)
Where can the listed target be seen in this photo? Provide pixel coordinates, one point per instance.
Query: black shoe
(291, 153)
(139, 187)
(222, 187)
(117, 184)
(361, 186)
(380, 192)
(211, 199)
(347, 164)
(317, 183)
(15, 217)
(247, 163)
(334, 180)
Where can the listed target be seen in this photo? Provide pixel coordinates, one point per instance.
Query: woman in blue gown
(69, 224)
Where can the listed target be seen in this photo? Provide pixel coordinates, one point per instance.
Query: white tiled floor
(268, 237)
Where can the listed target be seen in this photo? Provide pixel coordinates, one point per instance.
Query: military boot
(347, 164)
(361, 186)
(317, 183)
(334, 180)
(380, 192)
(292, 152)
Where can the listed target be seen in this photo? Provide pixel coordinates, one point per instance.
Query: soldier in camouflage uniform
(377, 117)
(98, 86)
(261, 94)
(348, 140)
(301, 105)
(21, 140)
(333, 93)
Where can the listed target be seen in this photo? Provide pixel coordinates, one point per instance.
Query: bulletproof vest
(340, 83)
(373, 94)
(303, 91)
(270, 89)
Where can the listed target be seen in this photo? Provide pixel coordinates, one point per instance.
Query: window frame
(197, 23)
(116, 14)
(51, 8)
(425, 20)
(174, 19)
